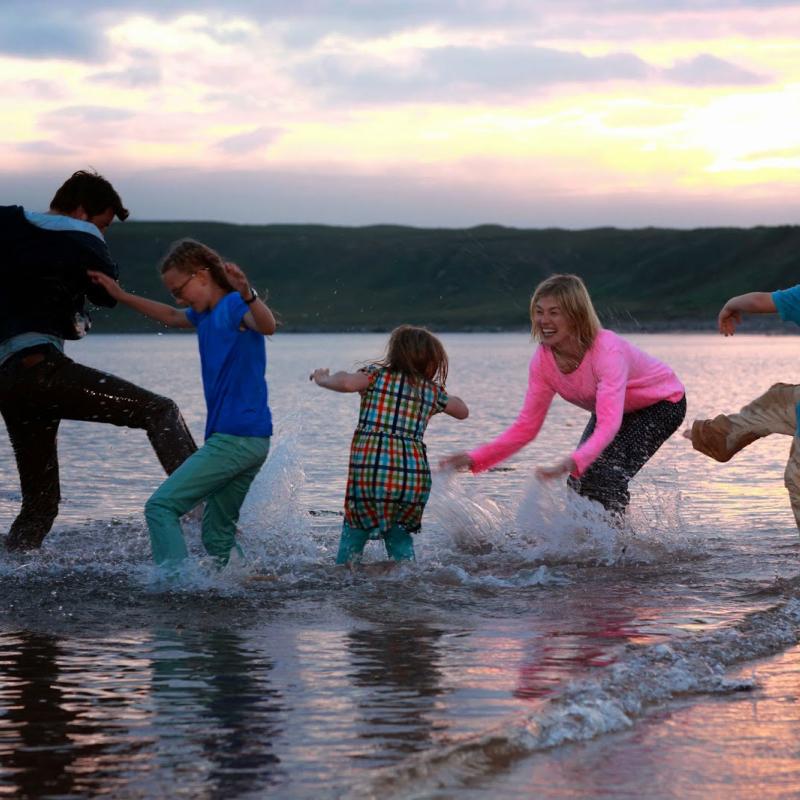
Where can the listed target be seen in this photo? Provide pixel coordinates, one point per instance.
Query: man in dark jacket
(43, 262)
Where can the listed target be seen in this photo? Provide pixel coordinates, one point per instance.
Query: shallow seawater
(527, 628)
(735, 745)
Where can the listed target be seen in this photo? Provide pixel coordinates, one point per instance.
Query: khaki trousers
(775, 411)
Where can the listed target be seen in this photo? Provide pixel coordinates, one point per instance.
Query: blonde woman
(636, 401)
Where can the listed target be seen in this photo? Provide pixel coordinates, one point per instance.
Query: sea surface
(532, 650)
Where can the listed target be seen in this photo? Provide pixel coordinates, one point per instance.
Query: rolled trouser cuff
(719, 439)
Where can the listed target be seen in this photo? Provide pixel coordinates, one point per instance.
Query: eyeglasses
(178, 290)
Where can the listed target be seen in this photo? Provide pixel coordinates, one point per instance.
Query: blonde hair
(417, 353)
(570, 292)
(188, 255)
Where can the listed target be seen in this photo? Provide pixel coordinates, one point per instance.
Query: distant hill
(372, 278)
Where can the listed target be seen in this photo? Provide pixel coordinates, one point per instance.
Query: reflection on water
(36, 752)
(133, 717)
(731, 748)
(309, 682)
(218, 711)
(589, 637)
(395, 673)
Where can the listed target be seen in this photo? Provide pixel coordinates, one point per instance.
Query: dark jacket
(43, 281)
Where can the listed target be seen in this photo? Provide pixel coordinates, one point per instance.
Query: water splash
(468, 539)
(455, 575)
(274, 527)
(471, 523)
(555, 525)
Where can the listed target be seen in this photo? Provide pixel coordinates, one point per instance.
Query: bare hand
(320, 376)
(458, 461)
(237, 278)
(727, 321)
(109, 284)
(563, 467)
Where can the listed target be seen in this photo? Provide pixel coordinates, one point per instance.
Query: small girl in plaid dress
(389, 479)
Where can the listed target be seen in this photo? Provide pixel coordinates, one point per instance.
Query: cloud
(41, 28)
(134, 77)
(49, 33)
(84, 124)
(528, 66)
(463, 73)
(87, 114)
(45, 148)
(46, 90)
(247, 142)
(458, 73)
(765, 155)
(708, 70)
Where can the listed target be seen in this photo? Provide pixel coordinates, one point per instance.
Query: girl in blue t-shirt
(231, 323)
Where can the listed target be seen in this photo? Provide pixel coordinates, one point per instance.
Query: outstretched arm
(340, 381)
(160, 312)
(524, 429)
(752, 303)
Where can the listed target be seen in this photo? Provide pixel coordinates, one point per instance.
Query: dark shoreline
(480, 279)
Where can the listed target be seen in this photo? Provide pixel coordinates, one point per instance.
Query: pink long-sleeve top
(613, 379)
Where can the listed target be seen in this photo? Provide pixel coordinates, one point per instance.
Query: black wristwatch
(253, 296)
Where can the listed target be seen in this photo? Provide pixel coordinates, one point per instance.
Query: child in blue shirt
(231, 323)
(775, 411)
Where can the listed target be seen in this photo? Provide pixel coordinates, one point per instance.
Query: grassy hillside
(332, 278)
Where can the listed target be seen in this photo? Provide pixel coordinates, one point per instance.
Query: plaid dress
(389, 479)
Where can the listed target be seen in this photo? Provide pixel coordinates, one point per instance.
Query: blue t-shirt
(787, 302)
(234, 362)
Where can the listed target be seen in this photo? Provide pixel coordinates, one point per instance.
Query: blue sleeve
(441, 399)
(234, 309)
(192, 316)
(787, 303)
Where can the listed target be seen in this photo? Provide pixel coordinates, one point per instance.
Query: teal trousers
(220, 473)
(398, 542)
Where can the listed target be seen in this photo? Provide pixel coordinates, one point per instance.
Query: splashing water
(559, 525)
(275, 529)
(471, 523)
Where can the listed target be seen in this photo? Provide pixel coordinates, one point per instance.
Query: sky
(435, 113)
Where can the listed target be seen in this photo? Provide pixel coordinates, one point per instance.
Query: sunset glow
(516, 107)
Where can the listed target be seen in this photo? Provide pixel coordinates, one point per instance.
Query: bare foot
(687, 434)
